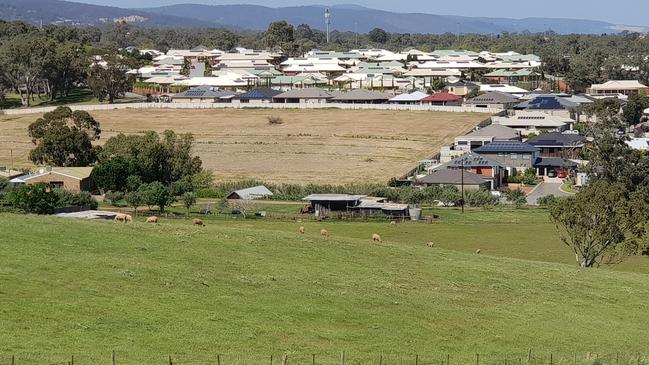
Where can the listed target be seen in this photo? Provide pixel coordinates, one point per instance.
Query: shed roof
(496, 131)
(333, 197)
(557, 139)
(254, 192)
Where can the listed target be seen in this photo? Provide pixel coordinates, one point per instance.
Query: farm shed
(323, 204)
(392, 210)
(256, 192)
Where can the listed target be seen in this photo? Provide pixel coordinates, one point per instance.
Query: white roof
(333, 197)
(509, 89)
(641, 144)
(424, 72)
(460, 65)
(218, 81)
(415, 96)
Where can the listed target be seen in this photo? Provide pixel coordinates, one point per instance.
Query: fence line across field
(528, 358)
(302, 106)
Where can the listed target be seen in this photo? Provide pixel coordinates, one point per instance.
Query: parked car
(552, 173)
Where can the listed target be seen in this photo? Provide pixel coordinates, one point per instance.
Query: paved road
(545, 189)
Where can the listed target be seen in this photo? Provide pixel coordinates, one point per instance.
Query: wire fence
(527, 358)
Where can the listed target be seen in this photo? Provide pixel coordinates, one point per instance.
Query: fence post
(529, 356)
(170, 361)
(550, 358)
(72, 362)
(218, 359)
(312, 359)
(617, 358)
(380, 359)
(113, 358)
(477, 359)
(448, 359)
(417, 359)
(13, 360)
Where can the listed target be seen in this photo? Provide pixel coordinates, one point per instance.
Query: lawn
(74, 97)
(311, 146)
(249, 289)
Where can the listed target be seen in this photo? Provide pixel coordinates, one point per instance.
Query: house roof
(506, 146)
(306, 93)
(452, 177)
(415, 96)
(493, 97)
(508, 73)
(333, 197)
(554, 162)
(441, 97)
(255, 192)
(497, 131)
(258, 94)
(536, 119)
(359, 94)
(503, 88)
(470, 160)
(77, 173)
(638, 143)
(547, 102)
(619, 85)
(557, 139)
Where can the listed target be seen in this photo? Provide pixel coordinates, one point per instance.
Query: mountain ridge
(345, 17)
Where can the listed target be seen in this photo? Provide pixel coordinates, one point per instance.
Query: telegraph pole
(327, 21)
(462, 186)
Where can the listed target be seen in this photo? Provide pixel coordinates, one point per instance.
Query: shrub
(274, 120)
(480, 198)
(516, 197)
(113, 197)
(546, 201)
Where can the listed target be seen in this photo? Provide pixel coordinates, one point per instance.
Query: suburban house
(617, 87)
(360, 96)
(311, 95)
(203, 94)
(256, 96)
(516, 156)
(486, 135)
(548, 104)
(555, 144)
(461, 88)
(490, 170)
(255, 192)
(74, 179)
(454, 177)
(493, 99)
(555, 167)
(442, 98)
(503, 88)
(534, 122)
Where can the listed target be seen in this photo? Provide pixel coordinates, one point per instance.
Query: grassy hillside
(249, 290)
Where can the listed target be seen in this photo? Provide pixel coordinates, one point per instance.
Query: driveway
(545, 189)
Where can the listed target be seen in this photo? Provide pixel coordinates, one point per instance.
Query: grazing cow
(324, 233)
(376, 238)
(198, 222)
(301, 230)
(152, 219)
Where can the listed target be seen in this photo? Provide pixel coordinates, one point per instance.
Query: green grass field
(249, 289)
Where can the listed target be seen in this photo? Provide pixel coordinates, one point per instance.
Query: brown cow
(376, 238)
(198, 222)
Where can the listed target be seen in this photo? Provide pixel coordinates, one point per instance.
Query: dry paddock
(310, 146)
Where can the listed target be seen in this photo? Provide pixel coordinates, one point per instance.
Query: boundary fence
(528, 358)
(301, 106)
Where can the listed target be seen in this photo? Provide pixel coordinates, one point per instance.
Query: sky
(627, 12)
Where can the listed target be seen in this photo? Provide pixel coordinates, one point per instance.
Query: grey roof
(258, 94)
(496, 131)
(556, 139)
(333, 197)
(255, 192)
(506, 146)
(452, 177)
(547, 102)
(554, 162)
(471, 160)
(370, 204)
(360, 94)
(306, 93)
(203, 93)
(493, 97)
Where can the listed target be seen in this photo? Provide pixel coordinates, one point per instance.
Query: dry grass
(318, 146)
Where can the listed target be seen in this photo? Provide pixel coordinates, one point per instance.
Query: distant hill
(58, 11)
(354, 17)
(255, 17)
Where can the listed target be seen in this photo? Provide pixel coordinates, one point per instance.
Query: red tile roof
(442, 97)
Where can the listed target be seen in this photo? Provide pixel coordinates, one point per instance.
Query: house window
(527, 156)
(56, 184)
(514, 156)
